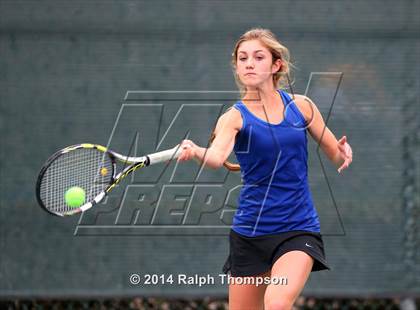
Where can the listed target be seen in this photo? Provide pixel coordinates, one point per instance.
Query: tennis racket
(91, 167)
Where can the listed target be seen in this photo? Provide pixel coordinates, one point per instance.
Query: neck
(263, 94)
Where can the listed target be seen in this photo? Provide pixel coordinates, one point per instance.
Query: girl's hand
(188, 152)
(346, 153)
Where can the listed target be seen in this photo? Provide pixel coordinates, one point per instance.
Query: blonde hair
(281, 79)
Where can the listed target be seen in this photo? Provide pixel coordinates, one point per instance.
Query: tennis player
(276, 230)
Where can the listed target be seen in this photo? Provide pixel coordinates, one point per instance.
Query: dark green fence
(66, 72)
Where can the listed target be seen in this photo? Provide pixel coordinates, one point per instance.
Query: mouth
(249, 73)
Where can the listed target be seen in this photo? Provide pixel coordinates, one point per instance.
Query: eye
(260, 57)
(242, 59)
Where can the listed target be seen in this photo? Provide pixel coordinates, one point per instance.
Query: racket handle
(164, 155)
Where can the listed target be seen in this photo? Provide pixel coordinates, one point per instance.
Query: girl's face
(254, 64)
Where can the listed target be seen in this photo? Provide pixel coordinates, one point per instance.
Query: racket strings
(89, 169)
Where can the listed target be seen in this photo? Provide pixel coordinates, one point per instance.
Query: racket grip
(164, 155)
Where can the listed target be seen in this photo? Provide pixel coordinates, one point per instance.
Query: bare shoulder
(231, 119)
(305, 105)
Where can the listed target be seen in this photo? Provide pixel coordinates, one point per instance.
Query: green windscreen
(141, 76)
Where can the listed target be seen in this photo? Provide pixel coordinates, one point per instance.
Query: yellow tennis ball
(75, 197)
(104, 171)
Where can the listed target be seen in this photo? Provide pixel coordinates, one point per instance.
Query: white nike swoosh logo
(308, 245)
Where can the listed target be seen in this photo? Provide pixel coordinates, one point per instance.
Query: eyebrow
(254, 51)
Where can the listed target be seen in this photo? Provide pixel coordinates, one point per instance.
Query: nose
(249, 63)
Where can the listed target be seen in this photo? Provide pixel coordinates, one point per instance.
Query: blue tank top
(275, 195)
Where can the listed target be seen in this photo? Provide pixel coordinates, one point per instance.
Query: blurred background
(118, 72)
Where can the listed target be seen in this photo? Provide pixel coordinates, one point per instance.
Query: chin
(252, 85)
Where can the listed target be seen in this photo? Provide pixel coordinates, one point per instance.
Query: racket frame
(134, 164)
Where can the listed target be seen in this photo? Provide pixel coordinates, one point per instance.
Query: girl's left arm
(339, 152)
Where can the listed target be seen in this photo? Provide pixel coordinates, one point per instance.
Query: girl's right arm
(228, 125)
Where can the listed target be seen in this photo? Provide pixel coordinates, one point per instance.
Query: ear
(276, 67)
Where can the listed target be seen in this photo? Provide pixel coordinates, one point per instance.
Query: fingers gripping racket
(91, 169)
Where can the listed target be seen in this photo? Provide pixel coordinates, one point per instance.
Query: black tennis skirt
(251, 256)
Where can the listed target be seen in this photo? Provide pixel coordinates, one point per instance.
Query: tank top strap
(242, 109)
(291, 106)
